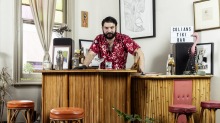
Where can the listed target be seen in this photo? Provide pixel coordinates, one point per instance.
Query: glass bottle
(47, 62)
(75, 59)
(82, 57)
(59, 60)
(167, 68)
(171, 65)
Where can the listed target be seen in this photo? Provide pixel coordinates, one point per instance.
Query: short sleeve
(130, 44)
(95, 45)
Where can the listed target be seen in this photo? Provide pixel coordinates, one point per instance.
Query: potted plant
(5, 84)
(132, 118)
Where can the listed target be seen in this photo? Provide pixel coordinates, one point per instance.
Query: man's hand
(80, 67)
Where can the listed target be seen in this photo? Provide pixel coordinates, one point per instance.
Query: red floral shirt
(119, 52)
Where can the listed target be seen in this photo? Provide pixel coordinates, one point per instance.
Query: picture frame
(206, 15)
(140, 23)
(86, 45)
(66, 50)
(204, 57)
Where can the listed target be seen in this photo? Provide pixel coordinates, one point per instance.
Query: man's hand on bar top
(80, 67)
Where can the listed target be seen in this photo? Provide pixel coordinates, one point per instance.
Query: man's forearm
(88, 58)
(140, 54)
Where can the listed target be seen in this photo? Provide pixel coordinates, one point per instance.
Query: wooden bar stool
(212, 106)
(66, 114)
(26, 107)
(179, 109)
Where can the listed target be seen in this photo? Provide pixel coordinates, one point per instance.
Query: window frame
(18, 57)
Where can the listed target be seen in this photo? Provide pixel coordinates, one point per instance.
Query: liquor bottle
(170, 65)
(75, 59)
(59, 60)
(167, 68)
(81, 57)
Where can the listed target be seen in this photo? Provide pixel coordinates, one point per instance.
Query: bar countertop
(157, 76)
(91, 70)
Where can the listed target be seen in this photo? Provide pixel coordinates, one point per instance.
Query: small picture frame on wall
(204, 57)
(84, 19)
(66, 55)
(206, 15)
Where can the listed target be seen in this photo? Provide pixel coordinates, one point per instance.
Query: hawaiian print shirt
(118, 55)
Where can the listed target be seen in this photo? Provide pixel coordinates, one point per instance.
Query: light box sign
(181, 34)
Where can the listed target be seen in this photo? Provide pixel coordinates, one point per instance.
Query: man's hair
(109, 19)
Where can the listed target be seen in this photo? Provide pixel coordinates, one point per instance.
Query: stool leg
(12, 116)
(212, 112)
(9, 115)
(192, 119)
(201, 115)
(29, 116)
(81, 120)
(188, 119)
(176, 117)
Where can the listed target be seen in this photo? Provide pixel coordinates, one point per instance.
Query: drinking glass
(99, 60)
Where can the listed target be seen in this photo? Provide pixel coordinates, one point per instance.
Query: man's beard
(109, 35)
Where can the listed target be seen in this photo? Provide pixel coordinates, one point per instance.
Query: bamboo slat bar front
(151, 95)
(94, 90)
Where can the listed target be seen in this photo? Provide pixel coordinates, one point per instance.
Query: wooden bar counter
(94, 90)
(151, 95)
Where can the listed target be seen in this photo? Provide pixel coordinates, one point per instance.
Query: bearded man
(113, 47)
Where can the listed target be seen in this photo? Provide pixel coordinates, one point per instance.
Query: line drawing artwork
(133, 10)
(137, 18)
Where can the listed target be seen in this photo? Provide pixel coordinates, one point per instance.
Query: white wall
(168, 13)
(7, 33)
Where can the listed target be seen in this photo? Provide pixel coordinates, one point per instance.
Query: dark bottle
(81, 57)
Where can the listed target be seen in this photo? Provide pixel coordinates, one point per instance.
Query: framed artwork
(204, 57)
(66, 54)
(85, 44)
(206, 15)
(137, 18)
(84, 19)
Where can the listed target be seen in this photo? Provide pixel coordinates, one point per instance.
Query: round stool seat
(16, 106)
(182, 108)
(20, 104)
(210, 104)
(66, 113)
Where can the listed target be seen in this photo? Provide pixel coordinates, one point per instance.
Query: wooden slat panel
(201, 92)
(84, 93)
(114, 95)
(151, 97)
(97, 93)
(54, 93)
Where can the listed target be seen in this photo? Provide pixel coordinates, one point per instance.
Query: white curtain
(43, 12)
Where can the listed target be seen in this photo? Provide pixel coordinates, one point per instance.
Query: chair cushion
(20, 104)
(182, 108)
(210, 104)
(66, 113)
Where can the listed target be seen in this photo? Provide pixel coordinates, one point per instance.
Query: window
(31, 55)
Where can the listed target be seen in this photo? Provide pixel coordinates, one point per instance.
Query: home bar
(98, 90)
(41, 42)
